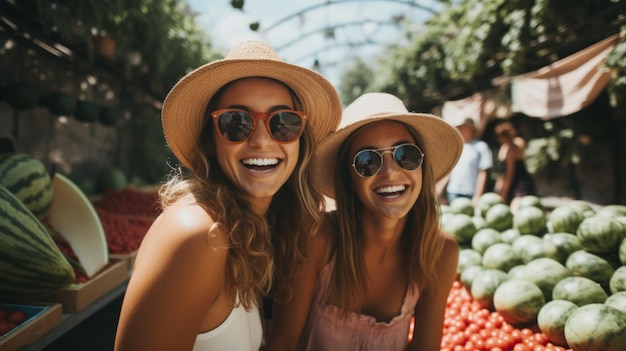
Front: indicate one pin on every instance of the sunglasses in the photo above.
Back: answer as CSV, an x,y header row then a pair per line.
x,y
236,126
368,162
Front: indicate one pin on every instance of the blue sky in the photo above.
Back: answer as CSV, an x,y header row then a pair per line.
x,y
295,28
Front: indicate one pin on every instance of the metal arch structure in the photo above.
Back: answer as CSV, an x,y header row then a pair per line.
x,y
333,27
325,27
411,3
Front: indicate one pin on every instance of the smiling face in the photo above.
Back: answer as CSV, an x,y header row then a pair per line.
x,y
259,166
393,191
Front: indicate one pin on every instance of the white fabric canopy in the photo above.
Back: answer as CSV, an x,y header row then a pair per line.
x,y
566,86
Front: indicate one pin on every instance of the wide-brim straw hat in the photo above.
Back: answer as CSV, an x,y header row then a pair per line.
x,y
183,113
440,141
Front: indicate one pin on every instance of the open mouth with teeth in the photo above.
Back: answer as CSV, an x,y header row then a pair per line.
x,y
391,191
261,164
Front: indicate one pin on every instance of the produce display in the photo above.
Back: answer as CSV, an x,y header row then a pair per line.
x,y
31,265
537,279
27,178
10,319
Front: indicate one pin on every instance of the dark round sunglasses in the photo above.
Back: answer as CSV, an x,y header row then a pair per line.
x,y
368,162
236,126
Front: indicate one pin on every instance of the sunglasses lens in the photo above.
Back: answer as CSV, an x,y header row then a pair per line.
x,y
367,162
235,126
285,126
408,156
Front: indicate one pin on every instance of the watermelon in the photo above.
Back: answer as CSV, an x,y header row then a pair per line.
x,y
27,178
479,222
600,234
468,257
551,320
499,217
485,285
462,205
545,273
31,265
486,201
583,207
565,219
484,238
586,264
530,220
500,256
529,201
461,227
508,236
611,211
564,244
617,300
529,247
517,272
469,274
579,290
622,251
518,301
618,280
596,327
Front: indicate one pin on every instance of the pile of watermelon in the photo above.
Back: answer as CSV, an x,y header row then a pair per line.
x,y
560,272
31,264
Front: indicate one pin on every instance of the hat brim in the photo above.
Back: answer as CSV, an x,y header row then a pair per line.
x,y
184,107
441,143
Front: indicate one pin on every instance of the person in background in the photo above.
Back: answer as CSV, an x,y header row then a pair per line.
x,y
245,127
380,259
470,175
515,181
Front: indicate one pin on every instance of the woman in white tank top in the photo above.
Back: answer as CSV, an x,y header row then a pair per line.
x,y
245,129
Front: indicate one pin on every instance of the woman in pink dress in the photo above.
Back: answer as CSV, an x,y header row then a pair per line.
x,y
381,258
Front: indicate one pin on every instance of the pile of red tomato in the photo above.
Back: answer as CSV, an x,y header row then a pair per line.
x,y
470,327
10,319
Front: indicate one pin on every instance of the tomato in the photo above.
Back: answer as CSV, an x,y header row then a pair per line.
x,y
17,317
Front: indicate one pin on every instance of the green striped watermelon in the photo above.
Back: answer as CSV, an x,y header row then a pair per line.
x,y
500,256
564,244
530,220
499,217
545,273
579,290
529,201
552,318
484,238
601,234
622,251
596,327
486,201
461,227
468,257
27,178
31,265
518,301
617,300
618,280
611,211
485,285
565,219
586,264
462,205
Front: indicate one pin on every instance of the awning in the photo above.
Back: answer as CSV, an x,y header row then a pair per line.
x,y
565,86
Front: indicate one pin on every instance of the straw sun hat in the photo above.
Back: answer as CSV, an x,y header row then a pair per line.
x,y
183,114
440,141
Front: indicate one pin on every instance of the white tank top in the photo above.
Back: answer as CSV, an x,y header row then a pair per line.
x,y
241,331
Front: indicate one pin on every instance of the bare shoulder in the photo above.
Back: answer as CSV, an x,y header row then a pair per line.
x,y
184,229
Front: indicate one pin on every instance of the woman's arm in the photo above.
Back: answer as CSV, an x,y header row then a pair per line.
x,y
509,171
431,306
293,302
178,274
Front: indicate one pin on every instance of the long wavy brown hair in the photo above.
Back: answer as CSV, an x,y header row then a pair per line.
x,y
262,248
421,242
